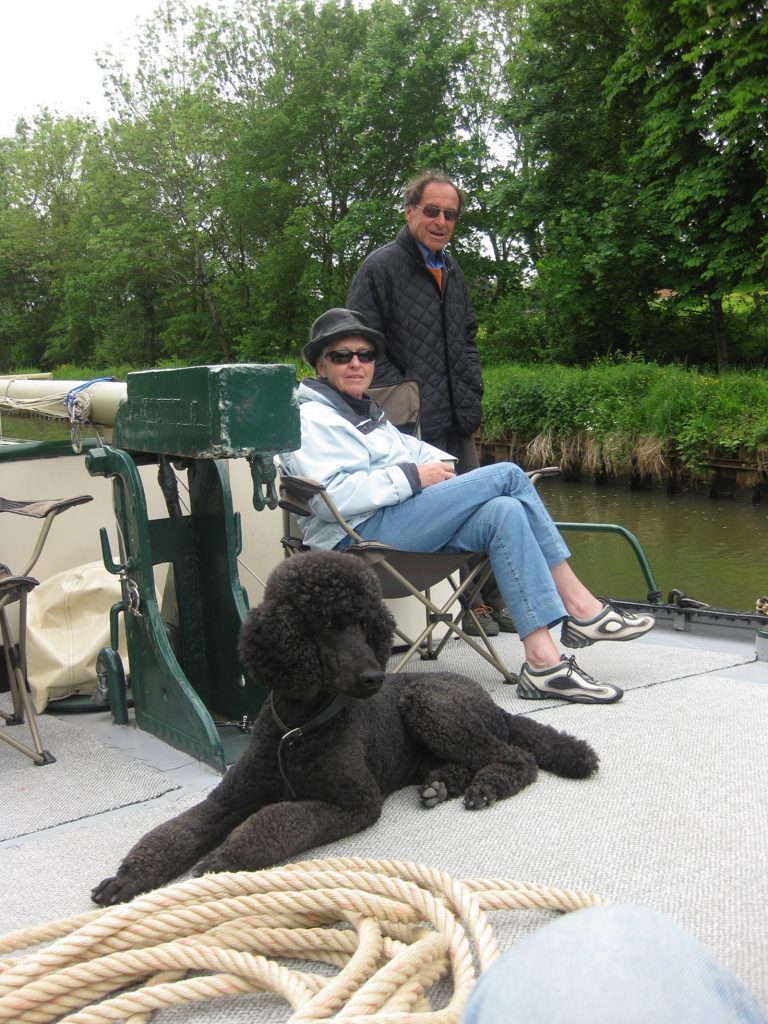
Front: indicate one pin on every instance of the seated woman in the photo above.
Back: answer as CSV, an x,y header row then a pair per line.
x,y
401,491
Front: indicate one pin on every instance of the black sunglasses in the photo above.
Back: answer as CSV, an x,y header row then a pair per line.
x,y
344,355
431,211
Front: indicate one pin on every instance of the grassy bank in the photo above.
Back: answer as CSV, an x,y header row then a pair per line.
x,y
631,416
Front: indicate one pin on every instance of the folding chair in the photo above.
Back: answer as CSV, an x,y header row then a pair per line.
x,y
402,574
407,573
16,588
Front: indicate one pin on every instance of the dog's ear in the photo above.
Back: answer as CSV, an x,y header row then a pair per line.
x,y
276,652
379,631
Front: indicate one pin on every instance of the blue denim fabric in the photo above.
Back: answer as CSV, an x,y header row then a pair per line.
x,y
619,964
494,509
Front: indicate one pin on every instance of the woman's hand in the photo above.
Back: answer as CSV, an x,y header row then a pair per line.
x,y
435,473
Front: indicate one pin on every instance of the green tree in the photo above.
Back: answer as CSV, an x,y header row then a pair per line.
x,y
169,143
699,70
253,159
41,169
594,244
342,105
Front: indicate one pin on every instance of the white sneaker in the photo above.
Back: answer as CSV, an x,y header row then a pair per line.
x,y
565,681
610,624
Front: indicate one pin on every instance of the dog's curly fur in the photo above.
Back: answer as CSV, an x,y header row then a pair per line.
x,y
322,631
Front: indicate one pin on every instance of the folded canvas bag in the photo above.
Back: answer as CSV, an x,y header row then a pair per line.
x,y
67,626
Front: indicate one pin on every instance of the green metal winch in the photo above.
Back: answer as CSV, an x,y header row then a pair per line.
x,y
186,681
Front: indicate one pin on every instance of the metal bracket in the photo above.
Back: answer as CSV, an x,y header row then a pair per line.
x,y
131,592
264,476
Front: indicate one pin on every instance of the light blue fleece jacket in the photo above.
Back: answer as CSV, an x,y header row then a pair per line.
x,y
364,462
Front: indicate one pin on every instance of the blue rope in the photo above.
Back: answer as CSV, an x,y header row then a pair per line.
x,y
70,399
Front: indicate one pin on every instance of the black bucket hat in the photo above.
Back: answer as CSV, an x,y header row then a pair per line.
x,y
339,323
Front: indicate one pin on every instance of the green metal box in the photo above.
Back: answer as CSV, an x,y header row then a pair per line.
x,y
210,412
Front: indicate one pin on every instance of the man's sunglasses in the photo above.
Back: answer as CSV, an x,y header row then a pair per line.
x,y
344,355
431,211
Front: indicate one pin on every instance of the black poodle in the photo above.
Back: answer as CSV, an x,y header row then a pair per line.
x,y
337,735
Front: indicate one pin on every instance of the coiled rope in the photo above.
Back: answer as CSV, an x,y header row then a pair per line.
x,y
391,928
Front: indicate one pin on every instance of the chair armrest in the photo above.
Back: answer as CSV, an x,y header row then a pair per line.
x,y
40,509
295,494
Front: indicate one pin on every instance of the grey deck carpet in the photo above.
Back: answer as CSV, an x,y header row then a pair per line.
x,y
675,819
86,779
610,663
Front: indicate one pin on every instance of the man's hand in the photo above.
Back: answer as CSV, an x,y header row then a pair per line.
x,y
435,473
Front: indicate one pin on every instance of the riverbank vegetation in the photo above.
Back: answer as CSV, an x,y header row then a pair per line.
x,y
628,418
613,153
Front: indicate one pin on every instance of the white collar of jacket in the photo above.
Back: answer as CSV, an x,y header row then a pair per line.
x,y
366,417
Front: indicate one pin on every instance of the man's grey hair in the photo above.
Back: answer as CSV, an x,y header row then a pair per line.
x,y
414,190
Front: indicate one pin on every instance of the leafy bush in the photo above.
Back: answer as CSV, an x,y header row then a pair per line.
x,y
602,416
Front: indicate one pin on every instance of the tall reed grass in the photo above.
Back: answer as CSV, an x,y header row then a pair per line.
x,y
629,416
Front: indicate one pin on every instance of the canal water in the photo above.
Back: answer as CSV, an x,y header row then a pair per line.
x,y
714,550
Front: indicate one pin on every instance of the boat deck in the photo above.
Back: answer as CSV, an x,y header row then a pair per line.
x,y
675,818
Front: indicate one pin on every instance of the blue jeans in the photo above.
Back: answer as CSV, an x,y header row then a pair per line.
x,y
606,965
494,509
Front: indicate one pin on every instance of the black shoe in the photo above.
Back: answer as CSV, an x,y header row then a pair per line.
x,y
484,614
504,620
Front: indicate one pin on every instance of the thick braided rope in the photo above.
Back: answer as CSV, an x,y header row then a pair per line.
x,y
390,928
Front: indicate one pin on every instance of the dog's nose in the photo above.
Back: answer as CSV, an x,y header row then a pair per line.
x,y
371,679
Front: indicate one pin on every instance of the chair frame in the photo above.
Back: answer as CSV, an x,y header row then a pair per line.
x,y
16,588
403,574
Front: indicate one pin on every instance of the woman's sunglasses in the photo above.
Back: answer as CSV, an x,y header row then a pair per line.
x,y
431,211
344,355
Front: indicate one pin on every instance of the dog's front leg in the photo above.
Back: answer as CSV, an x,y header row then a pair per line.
x,y
166,852
173,847
281,831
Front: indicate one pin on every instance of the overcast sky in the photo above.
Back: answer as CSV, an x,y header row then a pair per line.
x,y
47,53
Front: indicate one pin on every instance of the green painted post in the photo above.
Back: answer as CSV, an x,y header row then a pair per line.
x,y
654,594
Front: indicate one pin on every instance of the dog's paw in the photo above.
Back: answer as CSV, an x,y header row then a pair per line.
x,y
433,793
211,865
115,890
478,796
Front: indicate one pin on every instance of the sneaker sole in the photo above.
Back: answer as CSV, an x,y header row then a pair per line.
x,y
575,697
577,640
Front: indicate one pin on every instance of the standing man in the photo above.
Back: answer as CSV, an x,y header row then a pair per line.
x,y
413,292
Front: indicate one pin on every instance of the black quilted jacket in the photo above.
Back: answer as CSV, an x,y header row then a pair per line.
x,y
430,336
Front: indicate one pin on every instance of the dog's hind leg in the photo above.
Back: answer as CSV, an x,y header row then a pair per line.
x,y
443,783
466,736
481,788
500,779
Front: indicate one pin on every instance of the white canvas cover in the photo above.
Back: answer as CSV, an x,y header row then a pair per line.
x,y
67,625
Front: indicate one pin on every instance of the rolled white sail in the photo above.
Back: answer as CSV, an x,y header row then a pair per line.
x,y
72,400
